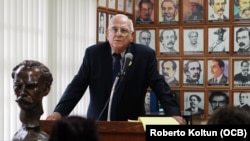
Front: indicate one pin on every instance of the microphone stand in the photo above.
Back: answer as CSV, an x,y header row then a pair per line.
x,y
111,96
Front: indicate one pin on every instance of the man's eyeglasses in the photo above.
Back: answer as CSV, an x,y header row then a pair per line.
x,y
123,31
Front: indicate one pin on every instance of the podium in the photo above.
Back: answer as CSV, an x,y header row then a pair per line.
x,y
111,130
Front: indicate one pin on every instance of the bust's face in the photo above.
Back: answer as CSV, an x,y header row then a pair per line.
x,y
28,87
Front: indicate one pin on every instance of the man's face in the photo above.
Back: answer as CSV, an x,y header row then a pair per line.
x,y
243,39
145,38
167,70
194,71
219,7
119,35
216,70
244,6
243,98
245,69
168,11
193,7
28,88
194,102
218,101
193,38
146,11
168,39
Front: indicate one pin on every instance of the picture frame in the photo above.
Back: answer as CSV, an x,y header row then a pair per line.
x,y
169,41
241,99
120,5
239,13
241,37
112,4
218,12
193,99
218,74
193,41
223,98
146,36
129,6
241,73
190,15
146,14
167,16
170,70
102,3
193,72
101,28
219,40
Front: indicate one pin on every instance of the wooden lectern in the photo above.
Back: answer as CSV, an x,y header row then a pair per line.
x,y
111,130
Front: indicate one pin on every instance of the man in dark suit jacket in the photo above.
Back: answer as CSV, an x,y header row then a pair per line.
x,y
129,93
217,69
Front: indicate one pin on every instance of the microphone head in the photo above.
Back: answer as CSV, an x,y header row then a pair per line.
x,y
129,56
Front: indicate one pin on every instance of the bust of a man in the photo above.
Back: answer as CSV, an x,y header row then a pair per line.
x,y
31,82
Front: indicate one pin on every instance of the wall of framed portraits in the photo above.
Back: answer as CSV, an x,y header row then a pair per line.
x,y
202,47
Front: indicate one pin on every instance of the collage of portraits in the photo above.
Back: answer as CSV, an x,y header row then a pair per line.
x,y
202,47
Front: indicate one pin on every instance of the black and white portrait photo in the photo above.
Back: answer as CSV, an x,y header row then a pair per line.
x,y
193,103
111,4
146,37
217,99
218,40
120,5
193,72
129,6
193,41
242,40
102,3
101,26
169,41
241,73
242,100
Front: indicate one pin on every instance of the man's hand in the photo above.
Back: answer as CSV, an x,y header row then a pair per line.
x,y
180,119
54,116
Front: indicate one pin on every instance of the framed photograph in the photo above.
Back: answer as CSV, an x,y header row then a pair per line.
x,y
111,4
129,6
102,3
120,5
193,11
241,73
144,12
168,11
218,72
242,99
217,99
101,28
241,40
241,11
218,40
193,39
170,70
169,41
193,72
110,15
151,103
146,37
194,102
218,10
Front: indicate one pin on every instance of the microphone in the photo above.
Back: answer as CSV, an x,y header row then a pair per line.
x,y
127,62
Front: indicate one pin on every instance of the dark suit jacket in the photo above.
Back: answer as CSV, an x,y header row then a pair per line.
x,y
96,72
